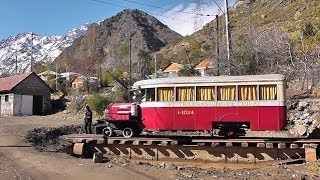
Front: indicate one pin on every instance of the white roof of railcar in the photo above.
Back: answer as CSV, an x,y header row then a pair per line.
x,y
212,79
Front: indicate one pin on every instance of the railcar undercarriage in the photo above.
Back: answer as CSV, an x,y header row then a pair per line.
x,y
126,129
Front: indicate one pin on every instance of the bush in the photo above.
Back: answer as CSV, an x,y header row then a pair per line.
x,y
308,30
296,37
98,103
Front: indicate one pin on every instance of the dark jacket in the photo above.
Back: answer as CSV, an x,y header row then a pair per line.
x,y
88,115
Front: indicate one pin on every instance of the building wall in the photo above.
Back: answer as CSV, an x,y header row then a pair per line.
x,y
6,104
78,85
33,85
22,105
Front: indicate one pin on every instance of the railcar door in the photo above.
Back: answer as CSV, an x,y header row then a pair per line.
x,y
185,114
269,111
164,109
226,107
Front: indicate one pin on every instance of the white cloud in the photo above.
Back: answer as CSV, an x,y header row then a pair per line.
x,y
183,22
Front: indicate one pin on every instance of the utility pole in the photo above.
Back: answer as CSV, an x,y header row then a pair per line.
x,y
31,63
100,76
67,74
130,38
217,45
56,77
228,36
155,65
16,68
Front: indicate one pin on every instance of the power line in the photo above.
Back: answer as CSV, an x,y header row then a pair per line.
x,y
103,2
107,3
158,7
218,6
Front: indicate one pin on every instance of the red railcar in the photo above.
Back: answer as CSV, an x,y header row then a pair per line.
x,y
221,104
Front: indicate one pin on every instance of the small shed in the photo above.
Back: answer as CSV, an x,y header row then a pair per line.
x,y
24,94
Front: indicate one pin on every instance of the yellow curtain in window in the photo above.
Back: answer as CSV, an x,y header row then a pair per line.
x,y
165,94
185,94
227,93
268,92
205,93
247,93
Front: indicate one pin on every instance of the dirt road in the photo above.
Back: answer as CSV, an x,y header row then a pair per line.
x,y
19,160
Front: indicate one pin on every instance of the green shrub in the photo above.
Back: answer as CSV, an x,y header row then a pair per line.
x,y
123,51
295,37
97,103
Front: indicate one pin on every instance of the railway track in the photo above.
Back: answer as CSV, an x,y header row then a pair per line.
x,y
196,148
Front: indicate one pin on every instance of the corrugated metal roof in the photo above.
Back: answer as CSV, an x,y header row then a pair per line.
x,y
8,83
212,79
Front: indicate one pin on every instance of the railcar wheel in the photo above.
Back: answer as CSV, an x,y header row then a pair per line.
x,y
127,132
107,131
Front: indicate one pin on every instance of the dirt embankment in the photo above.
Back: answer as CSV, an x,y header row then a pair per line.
x,y
48,138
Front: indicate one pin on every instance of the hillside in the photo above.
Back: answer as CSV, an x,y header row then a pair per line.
x,y
268,36
285,19
107,43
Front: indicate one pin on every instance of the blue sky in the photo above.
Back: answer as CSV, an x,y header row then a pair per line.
x,y
56,17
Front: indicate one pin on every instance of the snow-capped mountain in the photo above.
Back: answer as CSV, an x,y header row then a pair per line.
x,y
23,47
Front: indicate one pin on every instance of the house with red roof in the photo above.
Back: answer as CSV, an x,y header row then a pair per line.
x,y
204,67
24,94
85,83
172,69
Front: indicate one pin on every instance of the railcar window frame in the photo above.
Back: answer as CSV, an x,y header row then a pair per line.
x,y
276,91
173,95
248,85
235,92
177,98
146,97
207,86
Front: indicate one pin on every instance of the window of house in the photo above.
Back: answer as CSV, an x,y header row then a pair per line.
x,y
6,98
268,92
226,93
247,93
185,93
165,94
148,94
206,93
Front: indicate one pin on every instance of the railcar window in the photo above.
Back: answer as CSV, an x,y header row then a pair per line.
x,y
206,93
226,93
165,94
247,93
185,94
148,94
268,92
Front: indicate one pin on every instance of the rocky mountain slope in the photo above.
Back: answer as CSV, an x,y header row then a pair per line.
x,y
20,48
107,43
265,36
